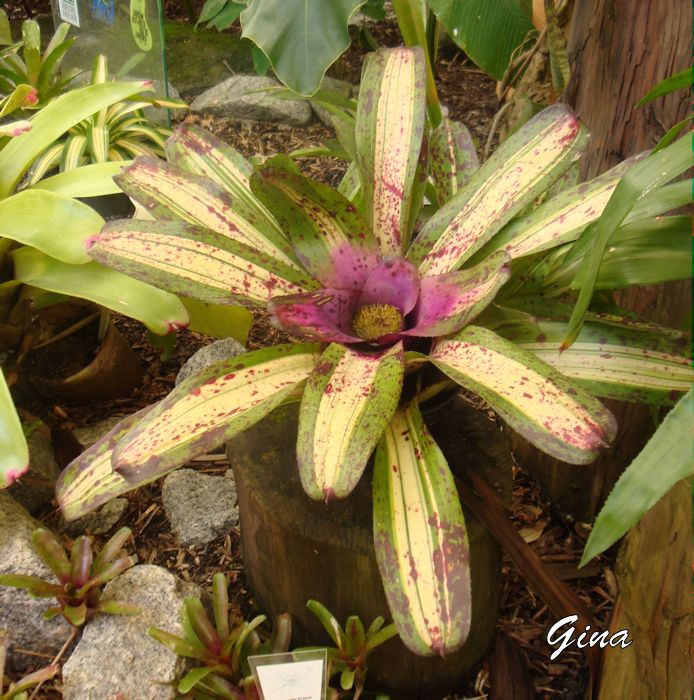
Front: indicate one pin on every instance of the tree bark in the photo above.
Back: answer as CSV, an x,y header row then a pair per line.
x,y
618,50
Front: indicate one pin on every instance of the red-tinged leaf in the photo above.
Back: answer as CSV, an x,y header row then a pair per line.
x,y
452,158
14,454
80,561
178,646
348,401
202,626
32,679
172,194
201,153
329,235
195,262
389,128
523,167
52,553
355,636
112,549
420,538
329,622
116,607
211,407
110,571
220,605
448,302
32,584
543,405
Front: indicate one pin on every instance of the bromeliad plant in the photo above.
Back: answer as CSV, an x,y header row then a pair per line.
x,y
81,576
390,318
222,647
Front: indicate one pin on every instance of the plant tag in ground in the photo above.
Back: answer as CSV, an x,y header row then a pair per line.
x,y
69,12
299,675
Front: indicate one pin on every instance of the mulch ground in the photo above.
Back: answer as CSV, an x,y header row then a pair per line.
x,y
523,617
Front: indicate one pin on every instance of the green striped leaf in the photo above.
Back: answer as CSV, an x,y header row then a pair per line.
x,y
14,454
559,220
98,143
160,311
88,181
74,150
54,120
211,407
201,153
328,234
668,454
610,361
452,158
391,114
195,262
348,401
34,217
545,407
89,480
523,167
420,538
44,163
172,194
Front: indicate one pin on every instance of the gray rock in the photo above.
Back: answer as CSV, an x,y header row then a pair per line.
x,y
220,350
200,507
342,87
37,487
99,522
237,99
115,654
19,612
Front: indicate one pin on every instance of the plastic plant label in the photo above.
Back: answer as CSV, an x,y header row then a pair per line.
x,y
69,12
298,675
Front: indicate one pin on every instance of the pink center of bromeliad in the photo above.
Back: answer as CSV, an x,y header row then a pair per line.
x,y
375,320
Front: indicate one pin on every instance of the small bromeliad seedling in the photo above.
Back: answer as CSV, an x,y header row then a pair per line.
x,y
352,645
18,690
81,576
221,647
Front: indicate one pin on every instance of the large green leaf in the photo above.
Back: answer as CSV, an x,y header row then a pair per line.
x,y
58,226
391,115
160,311
612,361
217,320
541,404
488,32
523,167
420,538
195,262
300,37
665,460
53,121
348,401
652,172
14,454
92,180
211,407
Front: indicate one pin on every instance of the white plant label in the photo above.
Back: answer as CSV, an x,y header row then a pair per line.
x,y
69,12
287,678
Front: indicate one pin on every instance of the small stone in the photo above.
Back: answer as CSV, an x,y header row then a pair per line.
x,y
238,98
116,655
37,487
215,352
200,507
99,522
21,614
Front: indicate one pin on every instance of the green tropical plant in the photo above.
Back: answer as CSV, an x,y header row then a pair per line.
x,y
40,70
18,690
352,645
81,576
222,648
117,132
393,309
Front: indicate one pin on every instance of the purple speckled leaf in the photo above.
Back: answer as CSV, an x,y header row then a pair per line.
x,y
448,302
325,315
452,158
420,538
395,281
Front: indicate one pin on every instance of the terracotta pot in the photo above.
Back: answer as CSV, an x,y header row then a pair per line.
x,y
295,549
112,374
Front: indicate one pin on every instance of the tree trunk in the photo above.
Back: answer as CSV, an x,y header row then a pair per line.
x,y
618,50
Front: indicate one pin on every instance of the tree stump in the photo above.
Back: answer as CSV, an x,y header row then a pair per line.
x,y
295,549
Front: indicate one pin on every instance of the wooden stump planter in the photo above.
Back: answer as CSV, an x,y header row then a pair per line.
x,y
295,549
